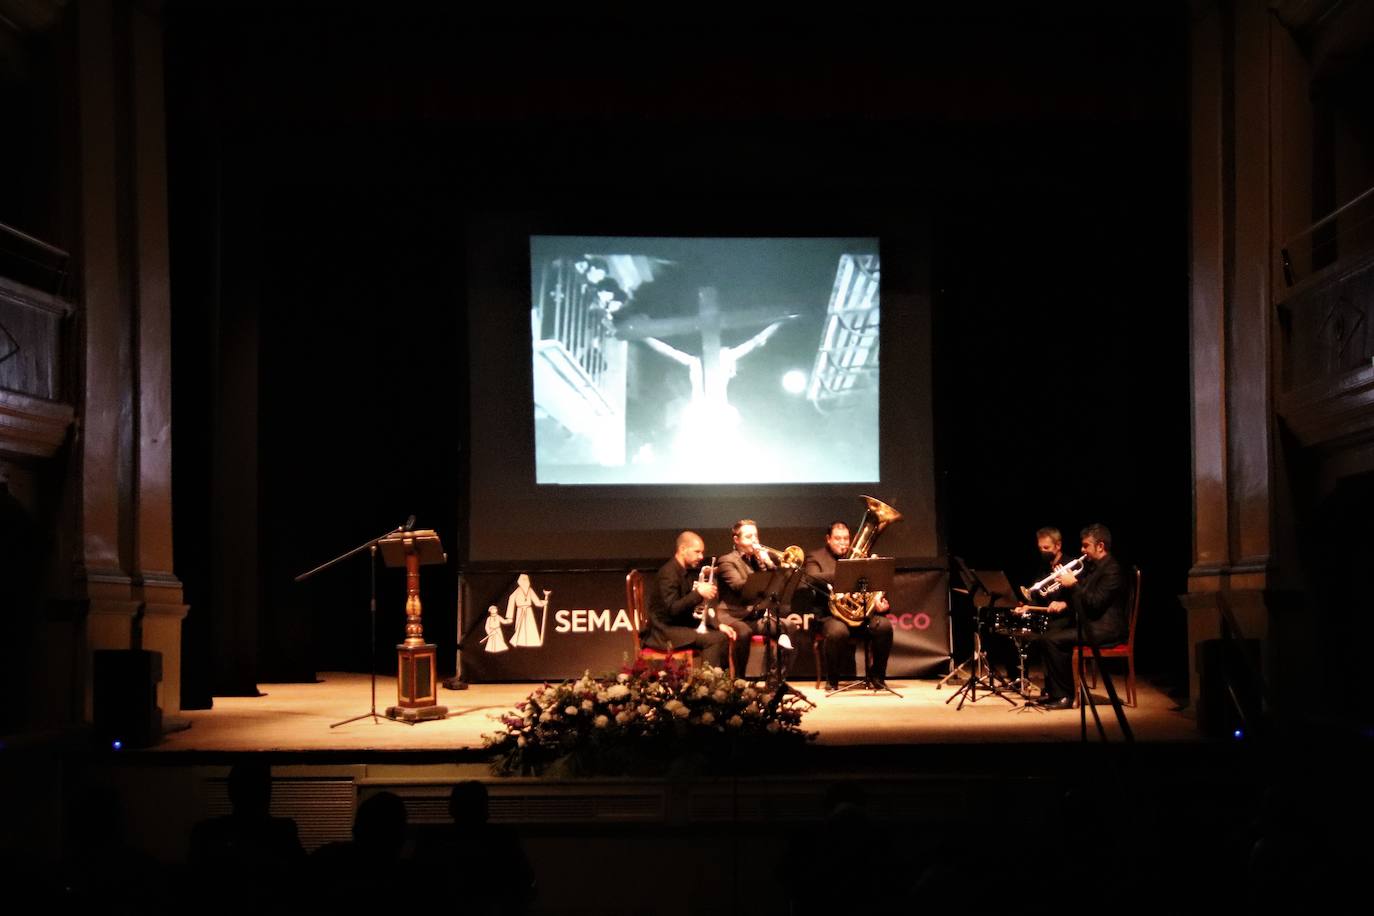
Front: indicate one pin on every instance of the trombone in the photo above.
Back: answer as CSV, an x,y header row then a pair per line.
x,y
787,559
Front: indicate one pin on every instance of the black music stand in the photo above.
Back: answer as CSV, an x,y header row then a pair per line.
x,y
863,576
370,546
1004,598
981,674
768,590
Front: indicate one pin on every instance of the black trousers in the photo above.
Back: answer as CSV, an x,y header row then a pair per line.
x,y
877,629
771,628
713,644
1055,647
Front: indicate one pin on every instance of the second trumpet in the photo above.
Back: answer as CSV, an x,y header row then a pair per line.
x,y
1050,584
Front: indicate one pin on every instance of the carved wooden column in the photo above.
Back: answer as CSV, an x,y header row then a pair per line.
x,y
156,584
123,585
1237,210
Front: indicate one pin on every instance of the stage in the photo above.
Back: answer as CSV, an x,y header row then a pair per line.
x,y
294,718
931,777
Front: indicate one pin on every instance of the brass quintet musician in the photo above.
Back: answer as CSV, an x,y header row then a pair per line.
x,y
1096,594
737,617
820,564
678,593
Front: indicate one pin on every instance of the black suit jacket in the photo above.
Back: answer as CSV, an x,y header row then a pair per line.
x,y
1101,598
732,571
672,600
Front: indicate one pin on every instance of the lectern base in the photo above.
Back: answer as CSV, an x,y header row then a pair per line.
x,y
417,714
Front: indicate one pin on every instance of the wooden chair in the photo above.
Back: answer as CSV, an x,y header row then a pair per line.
x,y
639,611
1124,650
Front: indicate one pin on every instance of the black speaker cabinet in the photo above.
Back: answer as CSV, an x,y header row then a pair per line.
x,y
125,696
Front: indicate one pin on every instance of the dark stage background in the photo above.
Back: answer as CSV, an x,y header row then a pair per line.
x,y
324,176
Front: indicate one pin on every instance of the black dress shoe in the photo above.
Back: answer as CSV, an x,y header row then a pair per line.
x,y
832,686
1056,702
877,683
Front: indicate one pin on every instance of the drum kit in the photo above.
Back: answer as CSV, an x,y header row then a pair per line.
x,y
999,612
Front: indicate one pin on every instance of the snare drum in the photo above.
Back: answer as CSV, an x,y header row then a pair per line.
x,y
1019,626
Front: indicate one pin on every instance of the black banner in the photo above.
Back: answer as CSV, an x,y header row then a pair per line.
x,y
555,624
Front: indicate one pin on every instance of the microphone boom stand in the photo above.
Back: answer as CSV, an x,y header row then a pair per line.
x,y
371,547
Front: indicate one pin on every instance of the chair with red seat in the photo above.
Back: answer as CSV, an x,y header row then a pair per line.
x,y
1124,650
639,612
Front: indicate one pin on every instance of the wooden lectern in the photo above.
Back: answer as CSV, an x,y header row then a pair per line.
x,y
416,682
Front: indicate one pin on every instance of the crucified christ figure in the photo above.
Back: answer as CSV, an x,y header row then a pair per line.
x,y
711,372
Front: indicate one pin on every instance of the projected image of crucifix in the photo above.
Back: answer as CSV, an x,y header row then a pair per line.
x,y
711,371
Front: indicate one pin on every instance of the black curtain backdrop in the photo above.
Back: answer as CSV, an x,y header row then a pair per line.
x,y
1057,205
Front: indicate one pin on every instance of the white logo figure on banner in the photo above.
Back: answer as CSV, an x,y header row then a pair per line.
x,y
495,639
520,606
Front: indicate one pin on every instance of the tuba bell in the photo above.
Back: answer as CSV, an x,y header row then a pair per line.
x,y
851,607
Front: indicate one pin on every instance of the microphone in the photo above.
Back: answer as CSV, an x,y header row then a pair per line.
x,y
410,523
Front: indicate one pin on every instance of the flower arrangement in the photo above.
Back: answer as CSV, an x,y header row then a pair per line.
x,y
643,719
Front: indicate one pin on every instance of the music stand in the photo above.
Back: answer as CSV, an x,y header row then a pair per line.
x,y
1004,597
863,576
981,674
767,590
371,547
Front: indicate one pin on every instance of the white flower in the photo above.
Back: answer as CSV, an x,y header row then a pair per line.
x,y
602,696
601,721
741,683
520,742
546,716
571,711
642,709
720,696
752,709
622,677
587,705
734,722
623,716
773,727
708,717
702,691
748,694
617,692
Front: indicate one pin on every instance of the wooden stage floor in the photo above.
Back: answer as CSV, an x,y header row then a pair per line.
x,y
297,718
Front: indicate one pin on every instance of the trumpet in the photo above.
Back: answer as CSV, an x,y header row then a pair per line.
x,y
1050,584
788,558
707,575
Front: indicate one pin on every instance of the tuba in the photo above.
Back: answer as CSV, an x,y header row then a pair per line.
x,y
851,607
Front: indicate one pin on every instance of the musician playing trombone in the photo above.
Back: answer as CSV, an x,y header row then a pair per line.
x,y
738,618
680,591
820,564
